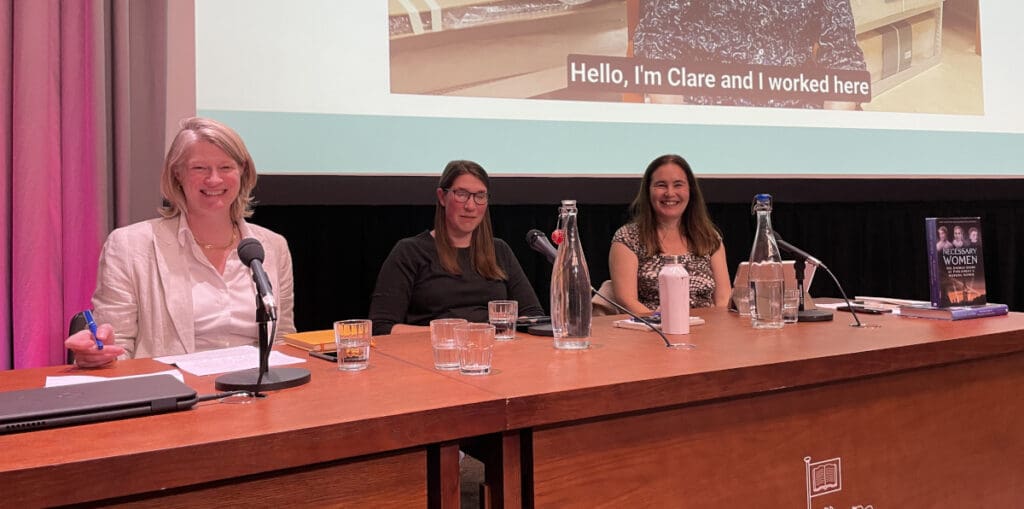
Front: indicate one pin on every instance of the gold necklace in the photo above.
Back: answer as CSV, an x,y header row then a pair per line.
x,y
234,237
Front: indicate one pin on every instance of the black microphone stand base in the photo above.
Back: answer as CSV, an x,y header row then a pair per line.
x,y
274,379
814,315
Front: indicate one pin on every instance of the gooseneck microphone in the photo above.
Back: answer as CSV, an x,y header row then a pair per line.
x,y
813,315
250,251
539,243
800,253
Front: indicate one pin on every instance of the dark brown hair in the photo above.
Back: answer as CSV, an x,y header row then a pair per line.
x,y
701,233
481,245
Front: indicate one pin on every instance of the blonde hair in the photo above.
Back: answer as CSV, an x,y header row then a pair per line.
x,y
195,130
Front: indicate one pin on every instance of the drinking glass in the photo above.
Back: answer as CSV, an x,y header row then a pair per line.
x,y
476,346
502,314
442,339
790,306
352,338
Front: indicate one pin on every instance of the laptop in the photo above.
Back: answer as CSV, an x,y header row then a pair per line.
x,y
742,282
49,407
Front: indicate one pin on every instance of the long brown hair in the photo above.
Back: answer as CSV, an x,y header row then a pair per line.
x,y
194,130
701,233
481,245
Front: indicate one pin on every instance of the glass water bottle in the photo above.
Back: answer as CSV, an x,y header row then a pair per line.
x,y
570,286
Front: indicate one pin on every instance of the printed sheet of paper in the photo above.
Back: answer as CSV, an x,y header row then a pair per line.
x,y
226,360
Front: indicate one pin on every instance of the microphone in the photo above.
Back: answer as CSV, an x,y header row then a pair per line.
x,y
262,378
539,243
250,251
817,315
800,253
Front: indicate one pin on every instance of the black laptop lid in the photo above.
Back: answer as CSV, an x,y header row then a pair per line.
x,y
90,402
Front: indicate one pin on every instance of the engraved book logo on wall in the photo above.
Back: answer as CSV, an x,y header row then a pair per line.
x,y
823,477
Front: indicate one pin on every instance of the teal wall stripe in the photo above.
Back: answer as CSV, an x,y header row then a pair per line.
x,y
371,144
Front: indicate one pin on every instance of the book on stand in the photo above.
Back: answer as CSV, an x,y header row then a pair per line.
x,y
953,312
956,271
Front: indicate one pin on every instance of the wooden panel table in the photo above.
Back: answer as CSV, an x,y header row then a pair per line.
x,y
383,437
914,413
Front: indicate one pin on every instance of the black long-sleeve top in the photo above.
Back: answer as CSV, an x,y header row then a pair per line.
x,y
413,288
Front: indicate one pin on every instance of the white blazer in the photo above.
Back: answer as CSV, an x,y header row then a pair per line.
x,y
144,290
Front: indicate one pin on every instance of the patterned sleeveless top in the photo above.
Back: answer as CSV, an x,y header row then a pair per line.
x,y
702,281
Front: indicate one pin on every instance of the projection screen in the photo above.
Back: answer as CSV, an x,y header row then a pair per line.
x,y
785,88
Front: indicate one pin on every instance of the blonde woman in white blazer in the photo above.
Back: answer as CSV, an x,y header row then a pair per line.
x,y
175,284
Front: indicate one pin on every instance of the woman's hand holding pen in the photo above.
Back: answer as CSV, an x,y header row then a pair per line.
x,y
87,354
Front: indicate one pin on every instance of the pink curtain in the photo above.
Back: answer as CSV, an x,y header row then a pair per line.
x,y
6,84
83,116
54,168
85,169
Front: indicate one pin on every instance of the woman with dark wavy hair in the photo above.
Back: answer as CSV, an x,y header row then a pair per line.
x,y
454,270
669,217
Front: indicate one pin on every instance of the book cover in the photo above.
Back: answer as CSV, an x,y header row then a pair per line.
x,y
953,312
316,341
956,271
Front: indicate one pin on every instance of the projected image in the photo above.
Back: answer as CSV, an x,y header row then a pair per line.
x,y
911,56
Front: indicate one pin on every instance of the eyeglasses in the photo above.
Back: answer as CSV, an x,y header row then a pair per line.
x,y
462,196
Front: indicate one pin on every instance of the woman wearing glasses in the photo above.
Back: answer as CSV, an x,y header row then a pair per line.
x,y
453,270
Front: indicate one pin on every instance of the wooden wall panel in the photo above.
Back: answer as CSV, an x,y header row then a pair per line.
x,y
938,437
389,481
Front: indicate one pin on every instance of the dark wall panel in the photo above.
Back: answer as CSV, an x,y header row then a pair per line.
x,y
874,247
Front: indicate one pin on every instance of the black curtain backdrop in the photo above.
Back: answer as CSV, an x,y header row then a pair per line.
x,y
875,248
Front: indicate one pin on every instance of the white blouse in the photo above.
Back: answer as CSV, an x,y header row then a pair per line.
x,y
224,304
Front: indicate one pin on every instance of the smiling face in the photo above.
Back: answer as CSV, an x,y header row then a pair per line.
x,y
670,192
462,219
210,179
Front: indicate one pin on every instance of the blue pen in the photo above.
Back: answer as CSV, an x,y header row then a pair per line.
x,y
92,328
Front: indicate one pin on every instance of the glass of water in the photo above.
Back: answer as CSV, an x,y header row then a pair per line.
x,y
352,338
442,339
741,299
476,345
502,314
790,306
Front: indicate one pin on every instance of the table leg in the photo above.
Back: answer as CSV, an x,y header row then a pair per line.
x,y
443,476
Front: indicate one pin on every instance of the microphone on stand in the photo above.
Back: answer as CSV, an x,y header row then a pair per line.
x,y
814,315
799,253
250,251
539,243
